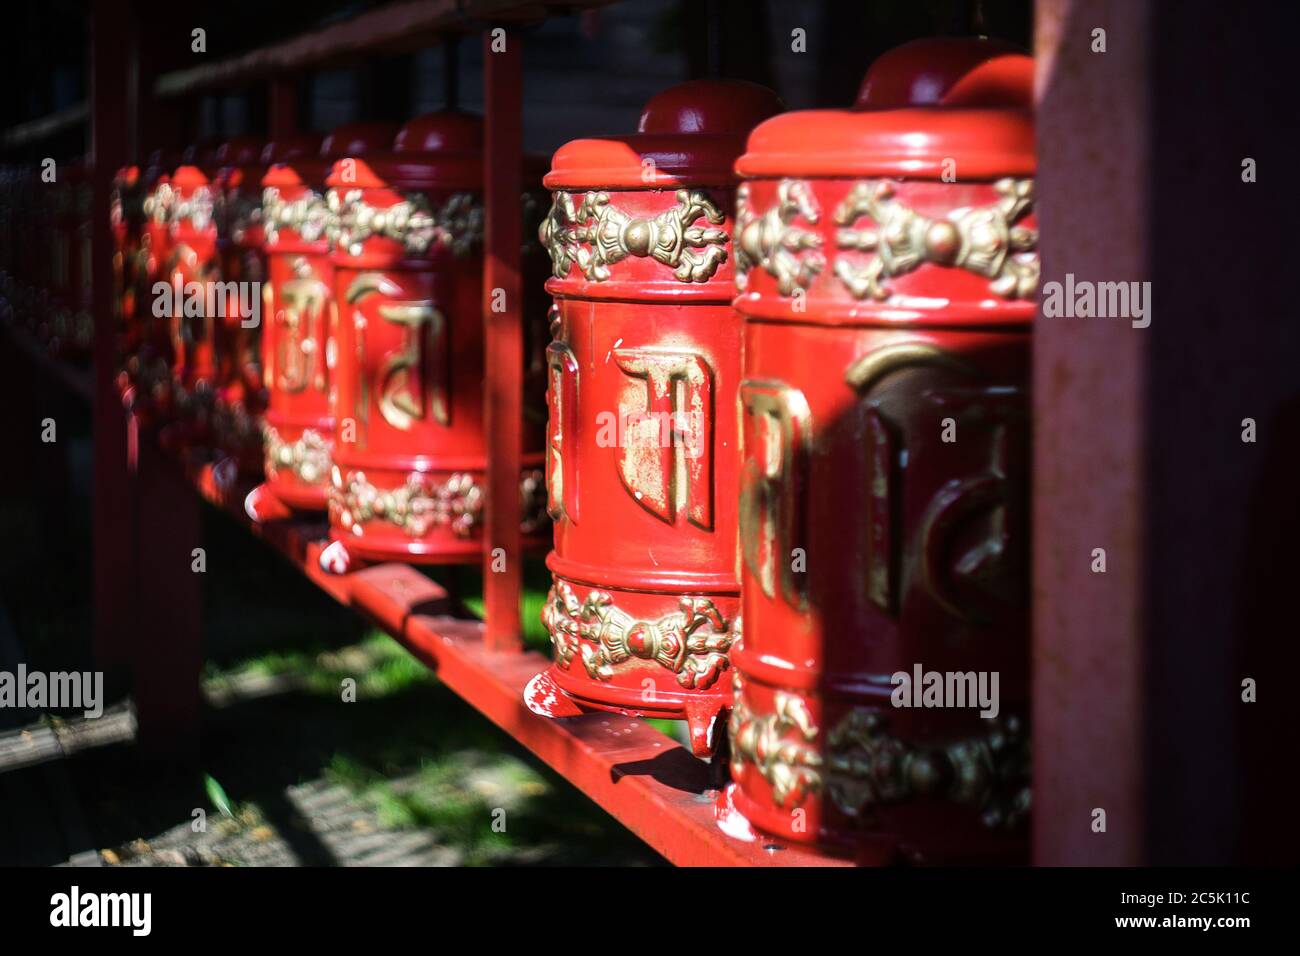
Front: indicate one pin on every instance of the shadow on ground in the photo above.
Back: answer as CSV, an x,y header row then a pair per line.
x,y
298,766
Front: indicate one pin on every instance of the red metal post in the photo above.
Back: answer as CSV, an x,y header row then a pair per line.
x,y
283,118
114,569
503,334
1088,473
168,648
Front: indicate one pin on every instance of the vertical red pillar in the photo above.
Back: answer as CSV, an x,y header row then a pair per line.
x,y
1088,473
283,110
503,333
114,571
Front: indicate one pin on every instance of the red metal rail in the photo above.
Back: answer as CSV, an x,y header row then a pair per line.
x,y
644,779
391,28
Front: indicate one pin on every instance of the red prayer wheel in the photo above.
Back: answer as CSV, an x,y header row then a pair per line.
x,y
237,318
642,449
190,271
150,367
298,334
126,220
887,273
410,454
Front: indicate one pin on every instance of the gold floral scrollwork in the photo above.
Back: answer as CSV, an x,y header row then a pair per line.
x,y
416,507
861,766
308,215
612,235
778,744
985,240
157,205
457,225
867,766
692,642
789,253
198,208
423,503
308,457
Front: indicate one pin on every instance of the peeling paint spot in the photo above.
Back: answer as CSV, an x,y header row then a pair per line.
x,y
730,820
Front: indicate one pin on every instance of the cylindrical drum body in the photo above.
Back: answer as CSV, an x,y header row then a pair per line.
x,y
887,274
238,189
299,318
150,367
642,448
190,269
126,216
410,454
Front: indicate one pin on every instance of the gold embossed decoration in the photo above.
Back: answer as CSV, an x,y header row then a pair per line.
x,y
456,225
868,766
424,503
308,215
985,240
594,234
779,745
691,642
862,766
198,208
416,507
308,457
788,252
157,205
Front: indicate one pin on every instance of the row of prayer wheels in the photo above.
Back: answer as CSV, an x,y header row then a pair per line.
x,y
314,309
812,330
786,383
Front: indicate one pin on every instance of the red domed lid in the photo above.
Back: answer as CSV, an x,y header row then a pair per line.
x,y
353,139
189,177
201,154
964,100
445,131
241,151
290,148
437,150
689,134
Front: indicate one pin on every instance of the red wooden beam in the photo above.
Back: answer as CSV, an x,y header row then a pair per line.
x,y
503,334
394,26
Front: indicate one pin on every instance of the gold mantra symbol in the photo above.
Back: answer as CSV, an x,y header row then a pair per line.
x,y
776,432
562,407
403,399
673,476
989,566
300,344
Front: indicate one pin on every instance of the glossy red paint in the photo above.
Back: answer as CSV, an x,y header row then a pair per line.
x,y
299,315
126,220
190,270
149,367
410,452
242,262
887,280
642,449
